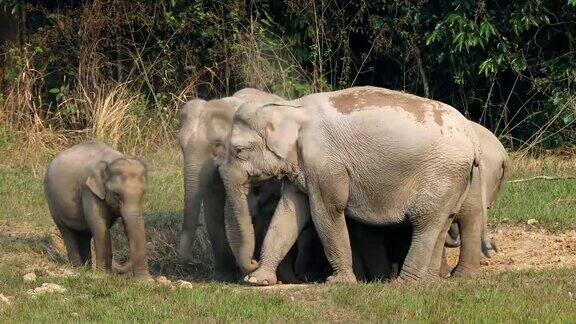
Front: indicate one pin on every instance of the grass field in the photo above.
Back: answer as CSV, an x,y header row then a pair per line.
x,y
28,243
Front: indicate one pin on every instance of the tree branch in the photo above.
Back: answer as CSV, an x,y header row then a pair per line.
x,y
416,53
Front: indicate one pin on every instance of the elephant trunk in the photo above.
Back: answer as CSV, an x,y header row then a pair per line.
x,y
238,222
136,233
192,205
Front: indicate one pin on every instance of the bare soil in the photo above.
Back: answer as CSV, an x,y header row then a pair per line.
x,y
521,248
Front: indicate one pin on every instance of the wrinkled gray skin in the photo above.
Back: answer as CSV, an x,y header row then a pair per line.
x,y
495,163
88,187
204,128
377,156
373,242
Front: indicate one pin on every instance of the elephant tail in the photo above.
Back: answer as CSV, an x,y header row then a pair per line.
x,y
503,176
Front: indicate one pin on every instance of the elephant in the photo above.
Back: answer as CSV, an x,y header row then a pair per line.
x,y
204,127
373,242
374,155
88,187
496,164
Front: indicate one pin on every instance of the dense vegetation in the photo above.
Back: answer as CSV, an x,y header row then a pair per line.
x,y
119,70
114,69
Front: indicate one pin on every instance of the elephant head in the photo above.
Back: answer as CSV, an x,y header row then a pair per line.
x,y
121,185
205,125
204,128
262,144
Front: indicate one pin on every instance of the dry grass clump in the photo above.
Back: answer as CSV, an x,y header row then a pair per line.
x,y
546,164
32,129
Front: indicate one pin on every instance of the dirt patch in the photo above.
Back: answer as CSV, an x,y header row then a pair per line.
x,y
520,249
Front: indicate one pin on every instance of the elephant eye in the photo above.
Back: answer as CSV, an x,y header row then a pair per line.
x,y
242,152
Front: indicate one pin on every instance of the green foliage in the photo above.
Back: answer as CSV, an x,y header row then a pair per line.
x,y
510,65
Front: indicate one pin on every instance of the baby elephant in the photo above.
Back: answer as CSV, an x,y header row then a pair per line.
x,y
87,188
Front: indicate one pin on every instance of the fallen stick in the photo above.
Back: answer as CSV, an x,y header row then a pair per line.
x,y
541,178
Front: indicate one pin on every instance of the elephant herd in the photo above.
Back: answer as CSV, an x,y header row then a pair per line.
x,y
363,184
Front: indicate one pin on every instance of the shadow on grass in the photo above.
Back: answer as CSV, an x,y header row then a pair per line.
x,y
163,236
37,243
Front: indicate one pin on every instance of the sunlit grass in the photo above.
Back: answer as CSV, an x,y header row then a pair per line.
x,y
26,239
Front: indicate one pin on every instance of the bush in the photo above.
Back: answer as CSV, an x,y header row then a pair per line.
x,y
510,66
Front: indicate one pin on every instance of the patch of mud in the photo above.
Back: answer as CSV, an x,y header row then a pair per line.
x,y
522,249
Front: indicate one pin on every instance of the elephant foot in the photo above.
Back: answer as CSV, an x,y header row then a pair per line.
x,y
445,271
408,277
459,272
261,277
342,278
432,277
489,248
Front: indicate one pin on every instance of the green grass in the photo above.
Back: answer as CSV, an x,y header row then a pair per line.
x,y
551,203
106,298
27,243
521,296
525,296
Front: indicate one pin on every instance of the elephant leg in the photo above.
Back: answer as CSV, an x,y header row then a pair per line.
x,y
424,239
84,248
333,233
438,253
225,268
70,238
327,202
103,249
470,248
470,221
290,216
94,213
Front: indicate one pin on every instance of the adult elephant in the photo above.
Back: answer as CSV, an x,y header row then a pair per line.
x,y
204,127
379,156
495,163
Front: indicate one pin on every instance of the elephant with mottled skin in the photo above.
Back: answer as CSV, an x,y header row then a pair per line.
x,y
495,162
375,155
204,127
375,241
88,187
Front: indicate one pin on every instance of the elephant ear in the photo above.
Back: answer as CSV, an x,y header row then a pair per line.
x,y
281,136
218,132
97,179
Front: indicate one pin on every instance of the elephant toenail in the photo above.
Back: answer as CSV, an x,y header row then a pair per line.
x,y
265,282
252,280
